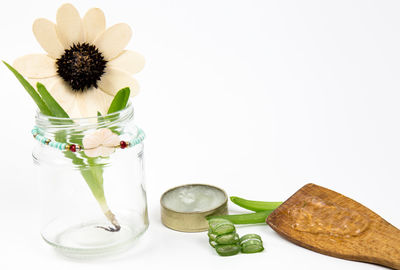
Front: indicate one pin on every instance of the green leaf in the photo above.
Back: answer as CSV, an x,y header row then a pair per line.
x,y
51,103
98,113
258,217
120,100
255,206
31,91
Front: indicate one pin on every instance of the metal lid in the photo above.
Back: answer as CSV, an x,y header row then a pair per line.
x,y
190,221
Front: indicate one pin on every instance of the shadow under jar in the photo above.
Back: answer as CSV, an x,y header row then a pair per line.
x,y
91,206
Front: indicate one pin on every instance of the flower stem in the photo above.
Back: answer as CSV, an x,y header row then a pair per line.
x,y
92,172
114,222
93,176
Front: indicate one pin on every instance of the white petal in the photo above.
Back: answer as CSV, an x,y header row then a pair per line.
x,y
36,66
46,34
114,80
102,142
47,82
92,101
107,99
112,140
65,96
113,40
91,141
94,24
69,26
95,152
104,101
105,151
129,61
104,133
88,103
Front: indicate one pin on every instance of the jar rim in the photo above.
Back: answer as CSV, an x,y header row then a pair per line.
x,y
46,121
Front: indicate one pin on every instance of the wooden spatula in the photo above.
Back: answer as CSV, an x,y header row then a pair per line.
x,y
329,223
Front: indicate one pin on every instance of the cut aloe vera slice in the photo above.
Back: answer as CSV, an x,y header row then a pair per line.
x,y
220,226
227,239
227,250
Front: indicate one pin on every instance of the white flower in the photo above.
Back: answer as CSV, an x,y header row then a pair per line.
x,y
102,142
86,64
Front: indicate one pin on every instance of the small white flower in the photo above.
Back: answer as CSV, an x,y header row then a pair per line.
x,y
102,142
86,64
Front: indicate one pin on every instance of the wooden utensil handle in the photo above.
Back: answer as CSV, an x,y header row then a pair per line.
x,y
388,247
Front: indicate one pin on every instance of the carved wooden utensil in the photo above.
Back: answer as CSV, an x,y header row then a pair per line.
x,y
329,223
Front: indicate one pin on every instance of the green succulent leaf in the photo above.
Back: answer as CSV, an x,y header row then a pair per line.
x,y
31,91
120,100
51,103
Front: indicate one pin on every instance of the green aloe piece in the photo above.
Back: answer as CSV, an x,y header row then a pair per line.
x,y
252,218
251,236
50,102
212,235
227,250
120,100
31,91
226,239
212,243
220,226
256,206
252,246
218,220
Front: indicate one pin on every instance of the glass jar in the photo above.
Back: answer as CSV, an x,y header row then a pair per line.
x,y
90,205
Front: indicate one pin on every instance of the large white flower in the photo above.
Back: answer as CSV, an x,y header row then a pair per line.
x,y
86,64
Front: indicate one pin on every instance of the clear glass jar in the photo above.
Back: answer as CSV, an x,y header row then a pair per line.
x,y
91,206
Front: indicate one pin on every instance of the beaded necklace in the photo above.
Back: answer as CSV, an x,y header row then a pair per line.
x,y
76,147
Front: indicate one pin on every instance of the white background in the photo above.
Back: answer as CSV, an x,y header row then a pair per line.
x,y
256,97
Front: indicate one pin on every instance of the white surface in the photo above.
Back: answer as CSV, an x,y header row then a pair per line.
x,y
256,97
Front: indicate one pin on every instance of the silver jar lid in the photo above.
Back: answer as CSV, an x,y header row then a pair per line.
x,y
185,208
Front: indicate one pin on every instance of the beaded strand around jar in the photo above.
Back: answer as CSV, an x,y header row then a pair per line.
x,y
76,147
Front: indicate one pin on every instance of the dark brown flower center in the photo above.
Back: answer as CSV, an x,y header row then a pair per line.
x,y
81,66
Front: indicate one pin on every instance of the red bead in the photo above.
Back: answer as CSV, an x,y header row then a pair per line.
x,y
72,148
123,144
